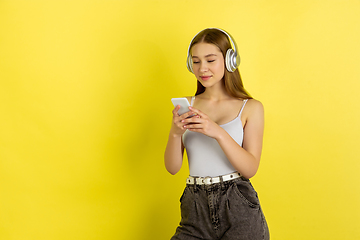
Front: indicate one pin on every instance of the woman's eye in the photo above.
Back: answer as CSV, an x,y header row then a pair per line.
x,y
211,61
196,62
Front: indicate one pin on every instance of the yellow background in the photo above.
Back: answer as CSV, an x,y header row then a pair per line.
x,y
85,89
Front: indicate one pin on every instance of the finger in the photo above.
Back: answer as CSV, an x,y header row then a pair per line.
x,y
186,115
176,109
193,126
197,111
194,119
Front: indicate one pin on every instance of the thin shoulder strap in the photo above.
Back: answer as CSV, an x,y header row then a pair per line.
x,y
192,100
243,106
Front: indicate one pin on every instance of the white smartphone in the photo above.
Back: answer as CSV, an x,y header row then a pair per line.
x,y
184,104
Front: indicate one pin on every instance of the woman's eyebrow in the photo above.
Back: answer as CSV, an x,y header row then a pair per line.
x,y
209,55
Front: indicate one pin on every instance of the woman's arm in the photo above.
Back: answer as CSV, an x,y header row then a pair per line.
x,y
174,151
244,159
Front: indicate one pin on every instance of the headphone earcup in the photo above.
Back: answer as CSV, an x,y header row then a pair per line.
x,y
189,64
231,60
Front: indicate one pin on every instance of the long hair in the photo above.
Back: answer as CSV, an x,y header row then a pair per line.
x,y
232,80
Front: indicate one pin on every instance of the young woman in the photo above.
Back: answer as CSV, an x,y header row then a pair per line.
x,y
222,134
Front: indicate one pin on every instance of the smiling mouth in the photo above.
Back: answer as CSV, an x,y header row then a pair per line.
x,y
205,77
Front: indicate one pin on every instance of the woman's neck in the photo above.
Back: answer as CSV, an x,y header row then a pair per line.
x,y
216,93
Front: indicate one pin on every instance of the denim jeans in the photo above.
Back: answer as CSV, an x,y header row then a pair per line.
x,y
226,210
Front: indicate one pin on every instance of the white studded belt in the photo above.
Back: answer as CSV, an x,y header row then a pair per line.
x,y
212,180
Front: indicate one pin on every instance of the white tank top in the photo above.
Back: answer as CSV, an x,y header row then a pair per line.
x,y
206,158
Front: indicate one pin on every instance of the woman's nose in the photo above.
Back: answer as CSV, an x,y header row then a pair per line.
x,y
203,67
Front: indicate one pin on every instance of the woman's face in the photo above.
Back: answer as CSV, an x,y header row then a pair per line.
x,y
208,63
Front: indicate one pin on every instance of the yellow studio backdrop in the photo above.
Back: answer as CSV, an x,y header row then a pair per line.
x,y
85,89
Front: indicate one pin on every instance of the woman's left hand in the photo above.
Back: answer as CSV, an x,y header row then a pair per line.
x,y
203,124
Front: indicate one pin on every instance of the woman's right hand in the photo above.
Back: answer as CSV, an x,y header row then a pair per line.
x,y
177,127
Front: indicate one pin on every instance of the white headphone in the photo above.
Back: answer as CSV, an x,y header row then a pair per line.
x,y
232,58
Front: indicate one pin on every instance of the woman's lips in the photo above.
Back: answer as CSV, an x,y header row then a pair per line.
x,y
205,77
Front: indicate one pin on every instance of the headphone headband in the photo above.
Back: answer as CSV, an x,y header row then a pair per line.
x,y
232,58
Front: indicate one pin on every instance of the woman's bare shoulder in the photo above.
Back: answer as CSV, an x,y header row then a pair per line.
x,y
254,103
253,106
